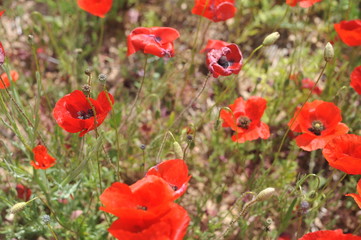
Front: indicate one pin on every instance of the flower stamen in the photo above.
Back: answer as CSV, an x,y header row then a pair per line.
x,y
317,127
243,122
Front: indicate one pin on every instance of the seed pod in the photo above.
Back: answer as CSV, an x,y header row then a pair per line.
x,y
265,194
177,150
271,39
86,89
18,207
329,52
102,78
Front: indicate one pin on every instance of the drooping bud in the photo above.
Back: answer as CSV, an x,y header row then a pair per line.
x,y
271,39
328,53
88,71
177,150
265,194
18,207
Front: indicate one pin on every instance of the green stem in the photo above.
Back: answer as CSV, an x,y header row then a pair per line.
x,y
298,112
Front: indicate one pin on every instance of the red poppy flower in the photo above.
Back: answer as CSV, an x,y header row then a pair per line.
x,y
329,235
344,153
170,226
356,197
302,3
155,40
225,61
96,7
2,12
42,159
356,79
318,122
214,44
175,173
146,199
215,10
245,119
23,192
2,54
349,32
14,76
308,84
74,113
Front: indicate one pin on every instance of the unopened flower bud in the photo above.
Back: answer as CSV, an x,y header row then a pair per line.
x,y
86,89
45,219
177,150
102,77
142,146
265,194
271,39
88,71
329,52
18,207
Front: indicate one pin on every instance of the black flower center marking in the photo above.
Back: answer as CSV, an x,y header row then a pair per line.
x,y
243,122
223,62
174,187
317,127
144,208
85,115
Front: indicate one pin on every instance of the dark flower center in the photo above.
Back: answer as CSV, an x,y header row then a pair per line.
x,y
223,62
243,122
317,127
174,187
144,208
85,115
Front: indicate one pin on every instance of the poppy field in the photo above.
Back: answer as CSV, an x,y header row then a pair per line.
x,y
188,119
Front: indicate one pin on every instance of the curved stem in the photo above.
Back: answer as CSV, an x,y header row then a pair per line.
x,y
298,112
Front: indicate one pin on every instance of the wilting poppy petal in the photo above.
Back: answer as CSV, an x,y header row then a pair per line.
x,y
23,192
14,76
175,173
319,122
148,198
96,7
356,79
329,235
344,153
349,32
42,159
225,61
215,10
74,114
170,226
157,41
356,197
245,119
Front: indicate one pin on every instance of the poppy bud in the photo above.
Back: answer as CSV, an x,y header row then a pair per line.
x,y
329,52
102,77
265,194
177,150
86,89
271,39
18,207
87,71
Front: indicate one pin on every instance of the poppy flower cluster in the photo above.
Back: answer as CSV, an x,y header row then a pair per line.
x,y
146,209
157,41
225,60
42,160
302,3
349,32
329,235
96,7
245,119
318,122
356,79
76,112
5,80
215,10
